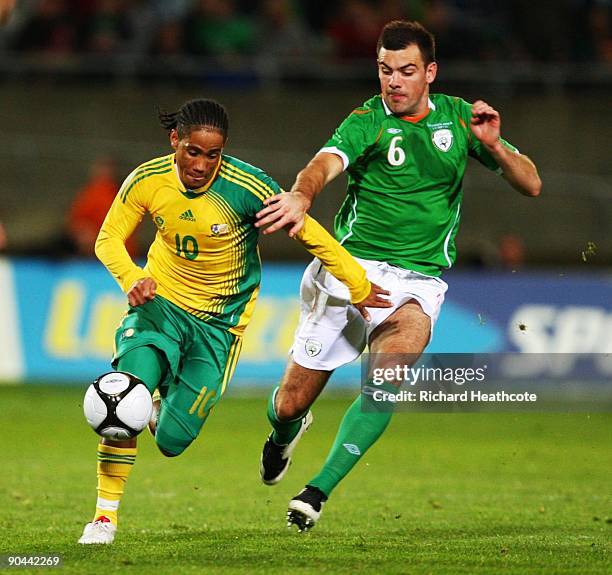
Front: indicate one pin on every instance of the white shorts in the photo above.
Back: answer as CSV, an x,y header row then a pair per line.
x,y
332,332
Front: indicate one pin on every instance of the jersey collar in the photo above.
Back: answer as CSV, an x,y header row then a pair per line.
x,y
198,192
411,119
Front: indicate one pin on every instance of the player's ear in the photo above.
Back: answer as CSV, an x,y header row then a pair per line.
x,y
431,71
174,138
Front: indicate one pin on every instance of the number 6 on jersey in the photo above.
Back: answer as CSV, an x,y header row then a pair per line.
x,y
396,155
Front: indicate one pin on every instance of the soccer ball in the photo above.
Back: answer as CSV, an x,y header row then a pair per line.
x,y
117,405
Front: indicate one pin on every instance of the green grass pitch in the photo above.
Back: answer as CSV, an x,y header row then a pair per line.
x,y
440,493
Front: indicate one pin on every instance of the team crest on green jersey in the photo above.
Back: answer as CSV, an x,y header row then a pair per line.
x,y
443,139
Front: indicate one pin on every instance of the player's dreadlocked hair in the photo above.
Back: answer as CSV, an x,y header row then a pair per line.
x,y
194,114
398,34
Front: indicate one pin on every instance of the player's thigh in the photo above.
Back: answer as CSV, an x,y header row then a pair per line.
x,y
145,331
401,338
298,390
330,332
202,379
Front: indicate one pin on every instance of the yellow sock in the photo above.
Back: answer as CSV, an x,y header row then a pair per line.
x,y
114,466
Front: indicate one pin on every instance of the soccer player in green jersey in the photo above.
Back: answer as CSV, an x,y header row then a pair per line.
x,y
190,304
405,152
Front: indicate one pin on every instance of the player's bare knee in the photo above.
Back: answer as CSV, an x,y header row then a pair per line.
x,y
288,409
299,389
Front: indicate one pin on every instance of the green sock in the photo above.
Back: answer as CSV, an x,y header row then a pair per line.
x,y
146,363
284,431
362,424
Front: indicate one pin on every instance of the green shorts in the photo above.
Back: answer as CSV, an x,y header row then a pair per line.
x,y
201,360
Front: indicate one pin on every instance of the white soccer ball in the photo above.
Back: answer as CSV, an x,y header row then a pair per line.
x,y
117,405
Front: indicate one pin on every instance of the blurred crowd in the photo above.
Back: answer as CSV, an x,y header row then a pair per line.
x,y
566,30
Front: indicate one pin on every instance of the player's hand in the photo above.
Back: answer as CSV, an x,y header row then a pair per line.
x,y
373,300
485,123
142,291
282,210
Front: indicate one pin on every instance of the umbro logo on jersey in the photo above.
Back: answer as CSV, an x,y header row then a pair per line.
x,y
394,131
352,448
188,215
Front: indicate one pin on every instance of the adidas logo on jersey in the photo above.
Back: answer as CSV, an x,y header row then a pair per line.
x,y
188,215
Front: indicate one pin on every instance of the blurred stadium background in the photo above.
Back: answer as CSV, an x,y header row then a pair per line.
x,y
81,80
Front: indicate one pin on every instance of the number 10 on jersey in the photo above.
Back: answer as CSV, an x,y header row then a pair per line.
x,y
187,247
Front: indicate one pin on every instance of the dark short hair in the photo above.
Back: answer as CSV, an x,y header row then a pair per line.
x,y
199,113
398,34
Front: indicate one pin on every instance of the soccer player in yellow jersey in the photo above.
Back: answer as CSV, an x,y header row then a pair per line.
x,y
190,304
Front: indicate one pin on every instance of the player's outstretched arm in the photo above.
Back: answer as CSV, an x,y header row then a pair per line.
x,y
341,264
288,209
520,172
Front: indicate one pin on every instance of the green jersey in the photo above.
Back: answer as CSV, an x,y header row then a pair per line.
x,y
403,202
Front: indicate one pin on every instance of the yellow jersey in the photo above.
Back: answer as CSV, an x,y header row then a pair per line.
x,y
205,257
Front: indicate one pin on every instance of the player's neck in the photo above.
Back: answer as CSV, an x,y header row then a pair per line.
x,y
417,117
415,114
419,113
